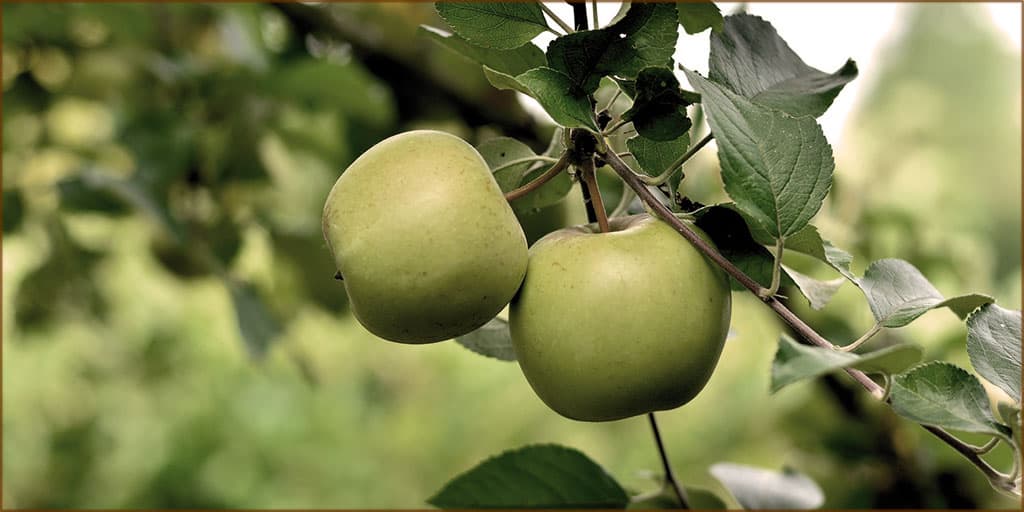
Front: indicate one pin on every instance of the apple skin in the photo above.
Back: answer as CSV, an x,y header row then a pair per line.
x,y
424,240
612,325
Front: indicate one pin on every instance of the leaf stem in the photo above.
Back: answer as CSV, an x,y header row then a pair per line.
x,y
513,163
987,447
611,129
611,102
998,479
780,245
678,164
554,17
593,13
558,167
862,340
670,477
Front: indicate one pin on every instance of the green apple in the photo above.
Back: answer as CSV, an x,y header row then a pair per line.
x,y
423,238
612,325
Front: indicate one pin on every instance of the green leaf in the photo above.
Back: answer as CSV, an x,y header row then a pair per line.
x,y
817,292
993,344
539,476
503,25
1010,414
501,150
644,37
897,294
117,191
347,88
491,340
505,81
808,241
889,360
13,210
64,282
696,17
659,107
653,157
795,362
510,62
777,168
255,322
550,88
756,488
943,395
731,236
750,58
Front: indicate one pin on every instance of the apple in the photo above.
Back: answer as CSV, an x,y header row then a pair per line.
x,y
424,241
612,325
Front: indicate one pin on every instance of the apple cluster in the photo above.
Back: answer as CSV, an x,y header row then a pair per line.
x,y
604,325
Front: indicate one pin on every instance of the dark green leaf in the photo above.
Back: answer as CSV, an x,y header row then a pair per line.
x,y
777,168
943,395
510,62
501,150
653,156
756,488
503,25
64,282
550,88
730,234
659,107
644,37
696,17
255,322
817,292
491,340
993,344
540,476
750,58
897,294
795,362
13,210
347,88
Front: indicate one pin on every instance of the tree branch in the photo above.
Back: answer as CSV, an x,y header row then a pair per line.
x,y
999,480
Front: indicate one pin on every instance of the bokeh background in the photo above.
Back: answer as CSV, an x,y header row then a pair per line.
x,y
173,337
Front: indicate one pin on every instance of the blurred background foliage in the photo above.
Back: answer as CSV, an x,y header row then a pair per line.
x,y
173,337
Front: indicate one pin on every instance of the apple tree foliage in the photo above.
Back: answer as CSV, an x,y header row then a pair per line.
x,y
208,128
761,101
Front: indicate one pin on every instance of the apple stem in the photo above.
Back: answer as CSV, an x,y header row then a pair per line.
x,y
670,477
596,204
799,326
553,171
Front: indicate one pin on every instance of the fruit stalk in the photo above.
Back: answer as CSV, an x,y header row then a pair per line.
x,y
670,477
